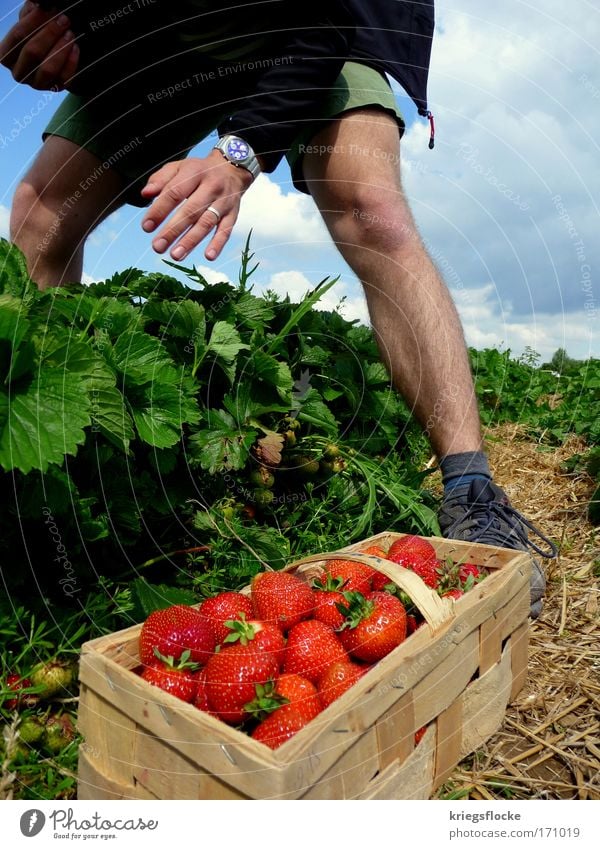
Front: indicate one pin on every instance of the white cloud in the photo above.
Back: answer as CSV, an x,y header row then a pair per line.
x,y
296,285
4,221
509,196
278,216
489,324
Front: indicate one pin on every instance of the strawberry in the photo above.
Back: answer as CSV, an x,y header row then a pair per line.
x,y
411,624
378,580
312,647
231,678
375,625
453,593
262,635
17,684
466,569
222,608
201,698
420,734
417,554
58,733
54,677
174,630
338,678
281,598
299,692
173,676
327,597
279,726
356,577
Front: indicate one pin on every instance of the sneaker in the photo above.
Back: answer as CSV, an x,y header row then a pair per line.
x,y
481,512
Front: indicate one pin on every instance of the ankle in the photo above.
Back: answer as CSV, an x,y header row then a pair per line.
x,y
461,469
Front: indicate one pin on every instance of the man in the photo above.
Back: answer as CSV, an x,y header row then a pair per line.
x,y
148,82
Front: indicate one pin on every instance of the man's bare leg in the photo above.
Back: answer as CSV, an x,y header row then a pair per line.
x,y
52,214
416,324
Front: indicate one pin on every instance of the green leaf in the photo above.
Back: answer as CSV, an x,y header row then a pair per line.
x,y
109,412
221,446
270,545
140,358
301,310
252,311
44,422
14,277
225,342
13,320
375,373
275,372
184,319
159,412
313,410
150,597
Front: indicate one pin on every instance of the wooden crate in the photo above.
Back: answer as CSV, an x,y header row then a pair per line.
x,y
454,675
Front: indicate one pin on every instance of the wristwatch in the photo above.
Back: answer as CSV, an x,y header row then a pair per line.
x,y
238,152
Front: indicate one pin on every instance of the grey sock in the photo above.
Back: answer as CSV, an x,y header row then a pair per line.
x,y
467,463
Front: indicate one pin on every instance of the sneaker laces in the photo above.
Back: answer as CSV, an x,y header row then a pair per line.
x,y
490,517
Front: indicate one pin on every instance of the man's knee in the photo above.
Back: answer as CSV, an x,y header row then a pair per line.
x,y
372,216
36,221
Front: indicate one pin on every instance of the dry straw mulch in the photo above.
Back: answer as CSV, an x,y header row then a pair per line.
x,y
549,744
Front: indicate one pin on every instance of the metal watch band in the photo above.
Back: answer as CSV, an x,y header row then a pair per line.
x,y
250,162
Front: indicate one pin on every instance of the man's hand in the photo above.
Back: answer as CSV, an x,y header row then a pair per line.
x,y
40,49
191,186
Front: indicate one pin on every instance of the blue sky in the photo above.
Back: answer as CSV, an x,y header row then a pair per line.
x,y
507,202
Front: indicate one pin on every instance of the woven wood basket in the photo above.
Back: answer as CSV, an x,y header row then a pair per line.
x,y
455,675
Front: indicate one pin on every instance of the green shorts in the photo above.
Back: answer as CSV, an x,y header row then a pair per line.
x,y
138,139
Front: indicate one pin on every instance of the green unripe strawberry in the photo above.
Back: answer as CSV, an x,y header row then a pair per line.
x,y
31,730
262,478
53,676
331,452
59,732
262,497
306,466
290,438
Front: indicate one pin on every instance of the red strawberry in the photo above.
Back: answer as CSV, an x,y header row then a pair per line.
x,y
312,647
338,678
262,635
453,593
174,630
224,607
356,577
411,624
279,726
420,734
380,581
231,678
287,690
201,697
418,555
376,624
327,596
299,692
281,598
17,684
470,570
175,677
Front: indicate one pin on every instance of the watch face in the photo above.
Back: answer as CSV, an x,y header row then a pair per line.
x,y
237,149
